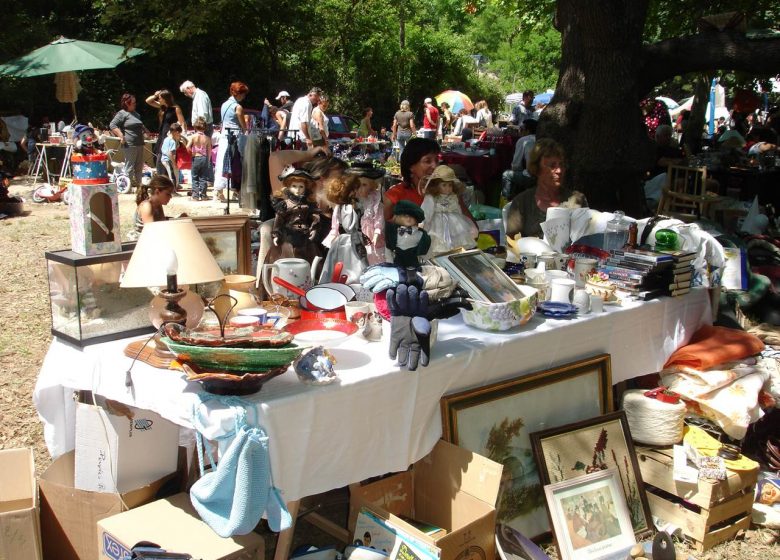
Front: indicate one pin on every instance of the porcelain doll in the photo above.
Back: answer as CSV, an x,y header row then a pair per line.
x,y
445,222
372,222
405,240
345,241
297,219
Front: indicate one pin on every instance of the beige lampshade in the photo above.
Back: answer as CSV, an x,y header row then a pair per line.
x,y
151,258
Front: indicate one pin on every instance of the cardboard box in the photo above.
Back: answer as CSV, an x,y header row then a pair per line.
x,y
119,447
174,525
69,516
20,531
451,488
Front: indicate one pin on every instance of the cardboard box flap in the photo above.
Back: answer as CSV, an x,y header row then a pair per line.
x,y
449,466
174,524
18,481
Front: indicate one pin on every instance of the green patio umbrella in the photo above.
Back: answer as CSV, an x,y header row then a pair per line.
x,y
66,55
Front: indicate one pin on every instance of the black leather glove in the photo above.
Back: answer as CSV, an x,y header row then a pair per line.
x,y
410,330
449,307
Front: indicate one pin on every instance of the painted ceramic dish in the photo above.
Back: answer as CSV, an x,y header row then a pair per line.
x,y
502,316
226,383
239,360
243,337
557,309
324,332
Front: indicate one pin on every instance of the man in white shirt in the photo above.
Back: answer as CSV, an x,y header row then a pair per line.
x,y
300,118
513,180
201,105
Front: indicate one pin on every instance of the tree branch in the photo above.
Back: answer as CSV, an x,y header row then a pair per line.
x,y
726,50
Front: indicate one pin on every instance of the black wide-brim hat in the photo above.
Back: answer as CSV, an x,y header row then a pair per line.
x,y
366,169
291,171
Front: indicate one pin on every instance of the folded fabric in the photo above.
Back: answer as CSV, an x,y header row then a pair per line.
x,y
711,346
733,399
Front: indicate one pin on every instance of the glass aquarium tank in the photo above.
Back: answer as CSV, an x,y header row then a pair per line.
x,y
87,304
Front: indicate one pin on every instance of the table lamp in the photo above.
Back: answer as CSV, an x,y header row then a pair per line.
x,y
169,254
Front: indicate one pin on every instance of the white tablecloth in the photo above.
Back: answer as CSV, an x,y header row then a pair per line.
x,y
378,419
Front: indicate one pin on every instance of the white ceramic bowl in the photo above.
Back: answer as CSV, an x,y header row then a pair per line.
x,y
533,245
502,316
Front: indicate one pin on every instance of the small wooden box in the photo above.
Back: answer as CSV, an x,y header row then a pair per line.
x,y
708,512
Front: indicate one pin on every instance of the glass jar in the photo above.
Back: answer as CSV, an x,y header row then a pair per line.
x,y
616,232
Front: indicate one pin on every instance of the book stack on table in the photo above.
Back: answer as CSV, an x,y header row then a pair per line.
x,y
649,274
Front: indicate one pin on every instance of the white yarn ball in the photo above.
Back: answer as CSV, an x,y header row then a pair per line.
x,y
651,421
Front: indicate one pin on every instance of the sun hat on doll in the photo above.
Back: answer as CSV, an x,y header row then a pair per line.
x,y
444,173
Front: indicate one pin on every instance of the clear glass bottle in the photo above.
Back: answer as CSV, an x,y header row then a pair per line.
x,y
616,232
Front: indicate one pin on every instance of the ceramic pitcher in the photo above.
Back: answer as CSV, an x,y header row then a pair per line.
x,y
297,272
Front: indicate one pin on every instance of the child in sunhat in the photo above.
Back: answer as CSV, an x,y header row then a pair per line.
x,y
445,222
405,241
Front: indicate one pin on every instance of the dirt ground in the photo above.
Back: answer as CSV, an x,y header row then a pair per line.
x,y
25,335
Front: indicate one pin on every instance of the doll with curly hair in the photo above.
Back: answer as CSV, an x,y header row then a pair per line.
x,y
445,222
297,219
345,241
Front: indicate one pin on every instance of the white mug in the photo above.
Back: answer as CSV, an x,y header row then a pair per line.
x,y
582,300
582,268
561,289
596,303
297,272
552,274
353,308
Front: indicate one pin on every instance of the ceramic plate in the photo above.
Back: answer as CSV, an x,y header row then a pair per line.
x,y
557,309
322,332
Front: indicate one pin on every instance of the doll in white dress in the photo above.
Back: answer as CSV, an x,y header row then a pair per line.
x,y
345,241
445,221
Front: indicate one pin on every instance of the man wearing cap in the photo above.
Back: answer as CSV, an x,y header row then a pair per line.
x,y
284,101
201,105
430,119
299,126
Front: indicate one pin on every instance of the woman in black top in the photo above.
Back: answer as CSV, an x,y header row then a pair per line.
x,y
169,113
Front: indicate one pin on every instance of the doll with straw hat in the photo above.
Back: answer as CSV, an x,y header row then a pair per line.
x,y
445,222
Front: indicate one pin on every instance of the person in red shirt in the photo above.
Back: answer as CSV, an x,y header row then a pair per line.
x,y
430,119
418,161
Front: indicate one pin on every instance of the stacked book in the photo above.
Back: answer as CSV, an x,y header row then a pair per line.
x,y
649,274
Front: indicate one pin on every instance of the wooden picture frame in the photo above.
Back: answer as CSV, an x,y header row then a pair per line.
x,y
496,420
590,517
479,276
600,443
229,240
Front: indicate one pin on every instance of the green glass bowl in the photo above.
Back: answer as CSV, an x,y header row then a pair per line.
x,y
239,360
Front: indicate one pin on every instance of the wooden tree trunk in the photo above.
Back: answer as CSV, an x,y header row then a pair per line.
x,y
595,112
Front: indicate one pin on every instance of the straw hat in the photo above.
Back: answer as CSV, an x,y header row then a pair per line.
x,y
444,173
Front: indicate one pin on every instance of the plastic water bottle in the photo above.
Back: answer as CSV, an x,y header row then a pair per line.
x,y
616,232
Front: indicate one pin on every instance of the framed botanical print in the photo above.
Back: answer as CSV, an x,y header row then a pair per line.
x,y
594,445
496,421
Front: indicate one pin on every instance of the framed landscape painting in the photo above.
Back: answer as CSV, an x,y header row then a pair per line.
x,y
228,239
601,443
497,420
